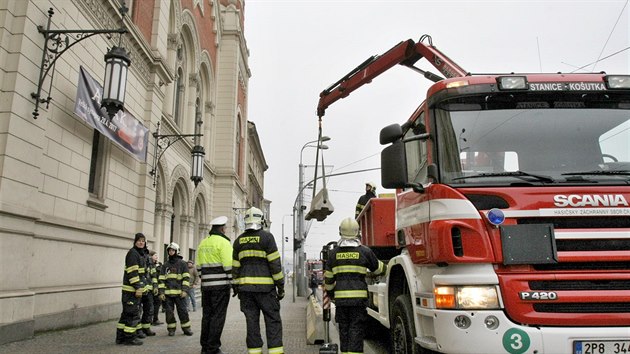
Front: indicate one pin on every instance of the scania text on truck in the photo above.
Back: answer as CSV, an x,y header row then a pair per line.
x,y
510,229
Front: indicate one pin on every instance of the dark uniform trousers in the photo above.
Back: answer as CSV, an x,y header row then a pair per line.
x,y
182,312
251,305
147,311
214,304
129,318
156,306
351,322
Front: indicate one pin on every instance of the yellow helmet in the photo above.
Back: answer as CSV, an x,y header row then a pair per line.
x,y
254,219
349,228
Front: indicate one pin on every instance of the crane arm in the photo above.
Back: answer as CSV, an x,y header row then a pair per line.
x,y
405,53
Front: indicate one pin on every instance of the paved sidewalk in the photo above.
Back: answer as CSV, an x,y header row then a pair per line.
x,y
100,338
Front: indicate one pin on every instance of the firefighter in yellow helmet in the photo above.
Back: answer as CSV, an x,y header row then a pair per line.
x,y
344,279
214,263
370,192
257,272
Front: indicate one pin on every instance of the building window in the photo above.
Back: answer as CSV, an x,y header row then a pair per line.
x,y
98,168
238,148
179,93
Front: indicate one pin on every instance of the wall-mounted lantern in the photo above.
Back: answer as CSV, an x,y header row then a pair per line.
x,y
164,141
57,42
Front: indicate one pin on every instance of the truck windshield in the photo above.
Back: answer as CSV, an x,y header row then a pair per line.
x,y
527,140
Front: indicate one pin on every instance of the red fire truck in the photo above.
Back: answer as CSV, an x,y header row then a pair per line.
x,y
510,228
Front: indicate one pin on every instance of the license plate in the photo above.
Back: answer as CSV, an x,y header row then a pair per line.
x,y
601,347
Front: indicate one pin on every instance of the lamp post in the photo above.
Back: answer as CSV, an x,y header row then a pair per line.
x,y
299,281
117,61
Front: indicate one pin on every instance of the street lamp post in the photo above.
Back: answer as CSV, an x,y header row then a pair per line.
x,y
299,280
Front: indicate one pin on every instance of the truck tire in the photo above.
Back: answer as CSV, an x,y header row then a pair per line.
x,y
402,328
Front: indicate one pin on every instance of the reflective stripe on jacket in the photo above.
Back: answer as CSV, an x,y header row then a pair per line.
x,y
214,262
174,277
256,264
345,271
132,278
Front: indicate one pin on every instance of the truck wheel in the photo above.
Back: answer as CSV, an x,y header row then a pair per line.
x,y
402,328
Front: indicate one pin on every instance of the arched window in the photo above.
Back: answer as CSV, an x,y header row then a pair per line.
x,y
180,86
238,148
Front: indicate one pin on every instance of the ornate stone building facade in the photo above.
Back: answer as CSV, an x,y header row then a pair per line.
x,y
70,198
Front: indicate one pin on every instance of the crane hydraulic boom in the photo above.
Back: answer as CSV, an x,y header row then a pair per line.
x,y
405,53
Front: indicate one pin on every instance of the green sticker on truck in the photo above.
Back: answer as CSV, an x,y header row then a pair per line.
x,y
515,341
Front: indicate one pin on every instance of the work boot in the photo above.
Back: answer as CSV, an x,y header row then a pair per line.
x,y
134,341
140,334
187,331
148,332
171,333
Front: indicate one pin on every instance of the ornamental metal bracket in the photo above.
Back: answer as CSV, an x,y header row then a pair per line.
x,y
57,42
162,143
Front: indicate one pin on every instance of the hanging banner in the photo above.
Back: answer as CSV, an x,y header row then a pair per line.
x,y
123,129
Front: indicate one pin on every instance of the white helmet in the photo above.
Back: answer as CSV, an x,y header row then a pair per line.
x,y
372,186
254,219
349,228
174,246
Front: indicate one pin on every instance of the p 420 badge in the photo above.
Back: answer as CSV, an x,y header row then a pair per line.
x,y
538,295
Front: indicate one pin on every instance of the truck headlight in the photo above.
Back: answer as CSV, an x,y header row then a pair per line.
x,y
466,297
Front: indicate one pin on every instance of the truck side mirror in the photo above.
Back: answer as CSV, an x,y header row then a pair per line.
x,y
394,165
390,133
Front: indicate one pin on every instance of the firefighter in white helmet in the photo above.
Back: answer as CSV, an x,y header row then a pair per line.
x,y
370,192
344,279
259,282
214,262
174,281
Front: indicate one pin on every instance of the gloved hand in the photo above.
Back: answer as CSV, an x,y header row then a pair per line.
x,y
139,292
183,294
155,292
162,297
280,295
234,290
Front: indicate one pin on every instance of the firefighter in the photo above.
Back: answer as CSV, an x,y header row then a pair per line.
x,y
132,290
259,282
148,272
370,192
214,264
173,282
344,279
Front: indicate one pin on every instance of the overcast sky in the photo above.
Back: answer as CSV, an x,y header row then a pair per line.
x,y
299,47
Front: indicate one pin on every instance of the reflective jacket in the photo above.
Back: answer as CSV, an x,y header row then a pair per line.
x,y
132,278
256,264
174,277
214,262
345,272
145,271
155,273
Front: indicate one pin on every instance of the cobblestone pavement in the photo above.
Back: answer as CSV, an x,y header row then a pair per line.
x,y
100,338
